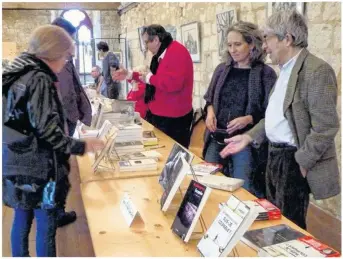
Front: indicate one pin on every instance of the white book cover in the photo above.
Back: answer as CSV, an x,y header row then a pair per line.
x,y
190,210
173,182
221,182
233,220
205,168
137,165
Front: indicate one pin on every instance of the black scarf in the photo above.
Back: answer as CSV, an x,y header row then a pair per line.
x,y
150,89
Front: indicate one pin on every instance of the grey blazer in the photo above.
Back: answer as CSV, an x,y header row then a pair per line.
x,y
310,108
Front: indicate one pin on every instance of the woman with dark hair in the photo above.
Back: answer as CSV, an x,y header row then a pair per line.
x,y
236,100
36,146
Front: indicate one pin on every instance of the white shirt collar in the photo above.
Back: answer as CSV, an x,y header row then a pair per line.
x,y
291,61
162,55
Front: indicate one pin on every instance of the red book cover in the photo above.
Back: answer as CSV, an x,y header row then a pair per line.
x,y
273,211
320,247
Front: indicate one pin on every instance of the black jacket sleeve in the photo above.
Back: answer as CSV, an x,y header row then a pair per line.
x,y
45,118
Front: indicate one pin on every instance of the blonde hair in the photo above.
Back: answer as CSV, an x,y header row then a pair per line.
x,y
50,42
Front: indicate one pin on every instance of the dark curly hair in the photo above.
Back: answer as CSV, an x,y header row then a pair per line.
x,y
102,46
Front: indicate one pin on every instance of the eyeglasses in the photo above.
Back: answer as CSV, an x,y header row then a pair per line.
x,y
219,135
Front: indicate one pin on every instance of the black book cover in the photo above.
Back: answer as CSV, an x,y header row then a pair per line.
x,y
175,154
175,170
188,209
271,235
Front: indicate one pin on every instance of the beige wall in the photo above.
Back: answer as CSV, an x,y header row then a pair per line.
x,y
324,20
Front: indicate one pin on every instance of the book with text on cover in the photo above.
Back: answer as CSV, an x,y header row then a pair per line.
x,y
233,220
175,179
190,210
262,237
266,210
305,246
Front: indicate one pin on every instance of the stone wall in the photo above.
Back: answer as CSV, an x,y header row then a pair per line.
x,y
324,20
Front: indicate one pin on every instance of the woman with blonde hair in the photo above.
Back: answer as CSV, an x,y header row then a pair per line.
x,y
36,146
236,100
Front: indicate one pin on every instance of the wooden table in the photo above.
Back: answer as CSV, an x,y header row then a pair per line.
x,y
85,162
111,236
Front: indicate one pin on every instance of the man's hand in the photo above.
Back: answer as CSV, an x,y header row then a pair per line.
x,y
303,172
235,145
120,74
93,144
238,123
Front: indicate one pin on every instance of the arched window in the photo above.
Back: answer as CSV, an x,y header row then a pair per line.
x,y
85,54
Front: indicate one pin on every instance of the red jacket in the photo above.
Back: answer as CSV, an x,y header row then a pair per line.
x,y
174,83
138,96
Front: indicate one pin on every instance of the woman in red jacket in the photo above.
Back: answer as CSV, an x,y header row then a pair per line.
x,y
137,94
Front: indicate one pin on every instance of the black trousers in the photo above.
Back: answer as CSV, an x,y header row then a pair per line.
x,y
176,128
286,188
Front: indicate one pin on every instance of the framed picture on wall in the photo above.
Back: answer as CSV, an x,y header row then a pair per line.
x,y
141,42
224,20
281,6
118,54
191,40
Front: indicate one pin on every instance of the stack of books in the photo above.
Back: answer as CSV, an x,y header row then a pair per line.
x,y
95,133
149,138
123,148
266,210
137,165
127,133
149,154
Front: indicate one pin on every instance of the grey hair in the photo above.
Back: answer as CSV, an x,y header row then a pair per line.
x,y
289,21
251,35
98,68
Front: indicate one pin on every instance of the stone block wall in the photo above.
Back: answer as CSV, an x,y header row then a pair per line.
x,y
324,21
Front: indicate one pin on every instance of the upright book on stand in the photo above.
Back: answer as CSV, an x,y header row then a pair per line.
x,y
174,181
176,152
233,220
190,210
96,119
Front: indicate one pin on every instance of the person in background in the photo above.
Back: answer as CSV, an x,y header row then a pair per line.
x,y
236,101
169,85
75,103
109,61
98,78
75,100
137,93
301,121
36,146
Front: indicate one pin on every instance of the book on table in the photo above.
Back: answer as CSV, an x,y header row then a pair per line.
x,y
206,168
137,165
151,154
149,138
190,210
305,246
233,220
262,237
174,181
176,152
97,117
221,182
266,210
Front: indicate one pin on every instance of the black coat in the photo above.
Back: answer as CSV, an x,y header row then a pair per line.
x,y
35,146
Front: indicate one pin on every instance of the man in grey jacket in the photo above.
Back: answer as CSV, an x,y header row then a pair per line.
x,y
302,157
109,61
